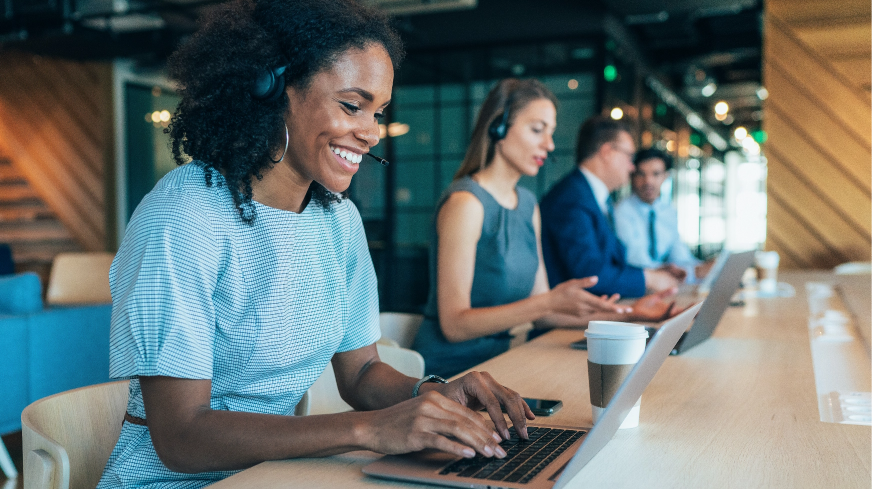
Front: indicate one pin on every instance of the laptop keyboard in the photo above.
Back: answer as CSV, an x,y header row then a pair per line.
x,y
524,458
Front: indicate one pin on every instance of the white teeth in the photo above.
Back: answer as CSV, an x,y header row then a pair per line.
x,y
348,155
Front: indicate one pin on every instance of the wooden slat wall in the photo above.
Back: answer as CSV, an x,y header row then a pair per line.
x,y
56,129
818,116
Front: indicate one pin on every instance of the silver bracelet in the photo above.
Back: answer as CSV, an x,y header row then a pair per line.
x,y
429,378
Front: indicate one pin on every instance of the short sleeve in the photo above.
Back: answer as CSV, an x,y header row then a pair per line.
x,y
162,280
363,326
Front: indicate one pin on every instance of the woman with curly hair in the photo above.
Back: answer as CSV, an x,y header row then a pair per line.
x,y
243,272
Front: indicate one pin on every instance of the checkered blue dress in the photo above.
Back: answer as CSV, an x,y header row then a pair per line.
x,y
259,310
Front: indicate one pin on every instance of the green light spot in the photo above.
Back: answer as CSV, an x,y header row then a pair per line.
x,y
760,136
660,110
610,45
695,139
610,73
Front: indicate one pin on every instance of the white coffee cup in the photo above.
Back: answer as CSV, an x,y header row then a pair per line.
x,y
613,348
767,262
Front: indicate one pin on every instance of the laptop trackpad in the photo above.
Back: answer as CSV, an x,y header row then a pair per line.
x,y
425,460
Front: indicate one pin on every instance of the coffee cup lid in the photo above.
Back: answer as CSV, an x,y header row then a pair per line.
x,y
615,330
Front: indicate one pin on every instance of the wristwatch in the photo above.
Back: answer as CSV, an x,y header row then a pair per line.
x,y
429,378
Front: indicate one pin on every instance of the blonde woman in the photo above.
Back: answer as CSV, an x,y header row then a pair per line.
x,y
486,268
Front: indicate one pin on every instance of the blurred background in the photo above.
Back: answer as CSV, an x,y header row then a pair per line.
x,y
765,106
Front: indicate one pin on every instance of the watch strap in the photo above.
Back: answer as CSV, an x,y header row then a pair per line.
x,y
428,378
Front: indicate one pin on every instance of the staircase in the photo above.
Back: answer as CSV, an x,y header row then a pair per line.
x,y
28,225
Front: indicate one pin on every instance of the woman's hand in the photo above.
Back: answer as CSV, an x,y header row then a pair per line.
x,y
444,418
655,307
571,298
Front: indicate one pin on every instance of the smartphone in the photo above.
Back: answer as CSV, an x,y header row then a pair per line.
x,y
542,407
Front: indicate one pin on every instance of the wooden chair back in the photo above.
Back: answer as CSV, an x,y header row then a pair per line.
x,y
68,437
80,278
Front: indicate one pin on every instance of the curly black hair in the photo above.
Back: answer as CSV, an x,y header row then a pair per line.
x,y
218,122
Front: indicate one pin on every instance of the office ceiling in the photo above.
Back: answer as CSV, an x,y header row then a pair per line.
x,y
691,43
710,51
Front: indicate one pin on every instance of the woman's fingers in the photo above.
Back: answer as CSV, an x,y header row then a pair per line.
x,y
454,423
586,282
518,410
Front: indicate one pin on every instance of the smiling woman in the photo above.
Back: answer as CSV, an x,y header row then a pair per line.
x,y
244,272
225,127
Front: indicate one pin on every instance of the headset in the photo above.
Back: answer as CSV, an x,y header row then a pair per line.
x,y
269,84
500,126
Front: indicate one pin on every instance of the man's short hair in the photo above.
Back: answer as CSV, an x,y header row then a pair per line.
x,y
651,153
595,132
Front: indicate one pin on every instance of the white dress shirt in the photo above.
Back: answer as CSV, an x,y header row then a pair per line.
x,y
600,190
632,227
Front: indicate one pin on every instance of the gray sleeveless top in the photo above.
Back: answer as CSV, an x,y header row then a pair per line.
x,y
506,261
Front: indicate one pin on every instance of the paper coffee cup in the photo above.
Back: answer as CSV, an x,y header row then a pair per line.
x,y
613,348
767,262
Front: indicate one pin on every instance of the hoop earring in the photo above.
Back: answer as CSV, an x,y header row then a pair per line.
x,y
287,140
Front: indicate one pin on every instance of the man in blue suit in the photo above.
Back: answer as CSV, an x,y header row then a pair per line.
x,y
578,237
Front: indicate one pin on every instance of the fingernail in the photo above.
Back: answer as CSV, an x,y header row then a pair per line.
x,y
506,434
496,436
488,451
500,452
468,452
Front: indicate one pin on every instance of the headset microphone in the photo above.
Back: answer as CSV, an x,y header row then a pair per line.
x,y
383,161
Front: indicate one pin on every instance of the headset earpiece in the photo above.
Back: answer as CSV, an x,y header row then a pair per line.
x,y
499,127
269,84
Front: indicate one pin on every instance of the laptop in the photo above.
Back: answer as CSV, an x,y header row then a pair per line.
x,y
722,282
554,454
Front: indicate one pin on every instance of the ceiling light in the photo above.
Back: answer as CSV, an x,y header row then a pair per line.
x,y
709,89
740,133
762,93
573,84
617,113
396,129
721,108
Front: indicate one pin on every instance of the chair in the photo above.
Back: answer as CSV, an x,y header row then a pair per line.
x,y
323,397
399,328
80,278
853,268
68,437
6,465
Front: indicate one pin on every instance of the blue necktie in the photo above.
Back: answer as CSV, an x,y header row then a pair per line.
x,y
652,235
610,212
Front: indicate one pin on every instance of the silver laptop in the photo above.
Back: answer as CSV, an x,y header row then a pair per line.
x,y
554,454
727,274
721,283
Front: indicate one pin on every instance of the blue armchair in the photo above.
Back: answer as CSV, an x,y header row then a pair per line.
x,y
46,350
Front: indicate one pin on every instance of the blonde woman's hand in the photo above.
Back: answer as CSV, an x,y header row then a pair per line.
x,y
570,297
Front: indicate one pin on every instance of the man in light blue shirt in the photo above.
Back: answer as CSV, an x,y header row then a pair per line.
x,y
648,225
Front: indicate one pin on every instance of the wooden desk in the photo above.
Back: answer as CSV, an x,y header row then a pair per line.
x,y
738,410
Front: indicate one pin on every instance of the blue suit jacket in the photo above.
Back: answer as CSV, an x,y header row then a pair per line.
x,y
578,241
